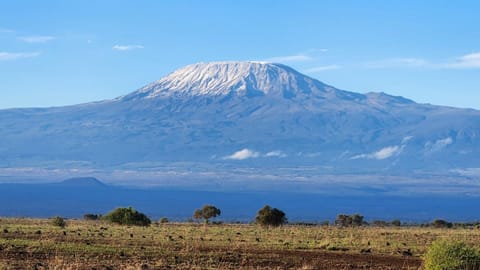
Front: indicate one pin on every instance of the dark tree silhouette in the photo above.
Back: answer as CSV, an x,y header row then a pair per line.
x,y
268,216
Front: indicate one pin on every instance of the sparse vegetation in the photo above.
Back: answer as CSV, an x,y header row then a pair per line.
x,y
206,213
101,245
451,255
128,216
268,216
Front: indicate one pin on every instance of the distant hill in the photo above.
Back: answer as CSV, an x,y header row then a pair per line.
x,y
83,182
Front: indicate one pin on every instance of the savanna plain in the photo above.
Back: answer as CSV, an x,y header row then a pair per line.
x,y
38,244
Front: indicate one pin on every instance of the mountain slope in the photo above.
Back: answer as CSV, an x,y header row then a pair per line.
x,y
245,114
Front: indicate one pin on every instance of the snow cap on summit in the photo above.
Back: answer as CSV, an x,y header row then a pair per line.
x,y
239,78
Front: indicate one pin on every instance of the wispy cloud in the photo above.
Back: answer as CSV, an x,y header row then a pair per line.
x,y
471,60
13,56
432,147
322,68
383,153
243,154
127,47
472,172
290,58
276,153
36,39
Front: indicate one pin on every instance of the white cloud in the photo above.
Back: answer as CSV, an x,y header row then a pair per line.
x,y
14,56
471,172
437,145
467,61
386,152
398,63
277,153
36,39
127,47
383,153
290,58
243,154
322,68
406,139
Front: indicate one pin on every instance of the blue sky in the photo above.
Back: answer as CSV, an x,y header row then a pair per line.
x,y
56,53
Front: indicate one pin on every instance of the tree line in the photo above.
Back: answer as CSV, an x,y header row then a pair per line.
x,y
266,216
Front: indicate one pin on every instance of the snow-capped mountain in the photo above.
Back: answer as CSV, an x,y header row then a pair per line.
x,y
221,79
245,114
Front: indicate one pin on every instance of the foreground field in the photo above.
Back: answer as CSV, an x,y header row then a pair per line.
x,y
36,244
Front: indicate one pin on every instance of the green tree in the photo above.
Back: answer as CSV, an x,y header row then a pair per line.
x,y
268,216
206,213
128,216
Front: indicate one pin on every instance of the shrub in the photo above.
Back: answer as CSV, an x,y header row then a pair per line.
x,y
447,255
128,216
349,220
164,220
379,223
91,217
268,216
440,223
206,213
396,223
59,222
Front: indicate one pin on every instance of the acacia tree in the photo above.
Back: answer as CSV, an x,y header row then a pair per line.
x,y
206,213
268,216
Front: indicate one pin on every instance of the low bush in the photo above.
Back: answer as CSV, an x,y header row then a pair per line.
x,y
396,223
447,255
59,222
91,217
163,220
128,216
349,220
440,223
